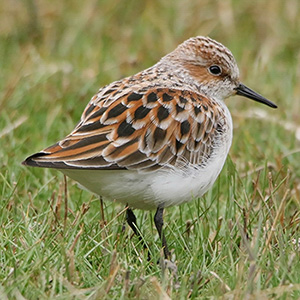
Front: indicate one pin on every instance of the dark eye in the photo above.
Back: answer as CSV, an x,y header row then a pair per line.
x,y
215,70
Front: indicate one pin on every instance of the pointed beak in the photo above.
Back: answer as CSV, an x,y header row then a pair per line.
x,y
242,90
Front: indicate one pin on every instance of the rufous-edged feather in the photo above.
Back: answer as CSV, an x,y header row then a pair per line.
x,y
163,126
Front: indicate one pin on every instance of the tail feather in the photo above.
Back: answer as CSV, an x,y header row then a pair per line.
x,y
36,160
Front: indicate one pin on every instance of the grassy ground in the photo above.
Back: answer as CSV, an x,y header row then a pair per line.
x,y
240,241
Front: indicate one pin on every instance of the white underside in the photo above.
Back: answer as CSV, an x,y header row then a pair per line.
x,y
148,190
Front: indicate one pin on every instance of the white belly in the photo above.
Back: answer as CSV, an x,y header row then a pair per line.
x,y
148,190
165,187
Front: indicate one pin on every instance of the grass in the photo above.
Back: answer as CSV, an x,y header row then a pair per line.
x,y
240,241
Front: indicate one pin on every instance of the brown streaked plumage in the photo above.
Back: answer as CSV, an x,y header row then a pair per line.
x,y
140,133
159,137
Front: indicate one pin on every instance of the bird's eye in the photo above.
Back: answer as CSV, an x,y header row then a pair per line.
x,y
215,70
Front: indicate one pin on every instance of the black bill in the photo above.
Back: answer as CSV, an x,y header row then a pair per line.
x,y
242,90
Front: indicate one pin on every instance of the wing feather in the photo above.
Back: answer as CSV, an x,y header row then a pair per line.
x,y
122,128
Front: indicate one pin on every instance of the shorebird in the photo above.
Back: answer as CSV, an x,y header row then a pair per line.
x,y
158,138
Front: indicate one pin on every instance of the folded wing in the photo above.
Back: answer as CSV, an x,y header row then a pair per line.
x,y
138,129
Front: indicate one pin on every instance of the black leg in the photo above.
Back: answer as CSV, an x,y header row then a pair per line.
x,y
159,222
131,220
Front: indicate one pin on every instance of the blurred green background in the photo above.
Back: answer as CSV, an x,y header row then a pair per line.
x,y
54,55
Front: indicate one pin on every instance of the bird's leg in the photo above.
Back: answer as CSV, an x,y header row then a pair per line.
x,y
159,222
103,222
131,220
